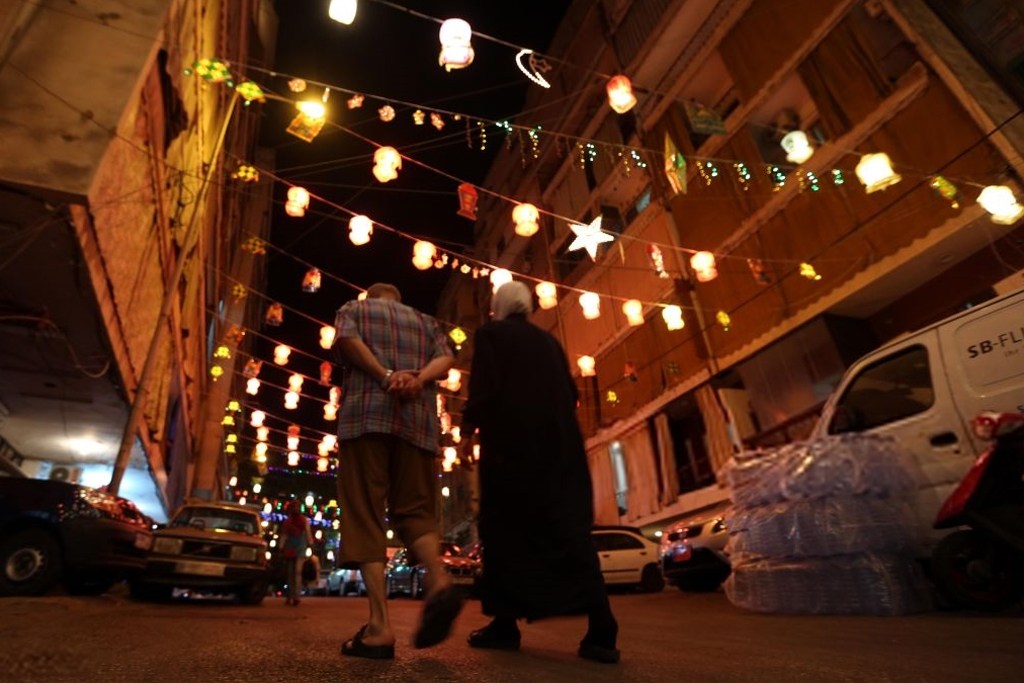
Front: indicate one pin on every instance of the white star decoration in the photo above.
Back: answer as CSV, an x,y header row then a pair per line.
x,y
588,237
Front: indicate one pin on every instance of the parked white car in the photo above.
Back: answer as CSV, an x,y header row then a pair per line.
x,y
628,558
693,554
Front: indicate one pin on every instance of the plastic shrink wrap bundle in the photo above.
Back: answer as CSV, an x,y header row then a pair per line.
x,y
824,527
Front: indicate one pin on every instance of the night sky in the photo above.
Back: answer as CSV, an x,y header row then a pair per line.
x,y
387,54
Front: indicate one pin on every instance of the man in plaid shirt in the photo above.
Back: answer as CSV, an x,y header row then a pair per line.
x,y
388,437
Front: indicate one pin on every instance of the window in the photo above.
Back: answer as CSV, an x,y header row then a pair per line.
x,y
888,390
606,542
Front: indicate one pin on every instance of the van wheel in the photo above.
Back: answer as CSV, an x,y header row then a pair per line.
x,y
253,593
30,563
652,580
972,571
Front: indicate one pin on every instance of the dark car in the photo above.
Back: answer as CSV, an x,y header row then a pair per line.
x,y
211,547
405,574
54,531
693,554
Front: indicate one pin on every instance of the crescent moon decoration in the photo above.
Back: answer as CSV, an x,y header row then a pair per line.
x,y
534,68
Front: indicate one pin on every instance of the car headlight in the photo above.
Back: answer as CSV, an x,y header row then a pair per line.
x,y
167,546
241,553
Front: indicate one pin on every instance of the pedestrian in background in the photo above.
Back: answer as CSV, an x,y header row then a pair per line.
x,y
536,500
295,538
388,436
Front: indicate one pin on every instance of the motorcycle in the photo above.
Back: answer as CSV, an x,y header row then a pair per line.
x,y
983,567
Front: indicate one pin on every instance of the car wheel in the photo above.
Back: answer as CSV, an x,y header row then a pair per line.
x,y
253,593
652,580
30,561
970,570
94,585
149,592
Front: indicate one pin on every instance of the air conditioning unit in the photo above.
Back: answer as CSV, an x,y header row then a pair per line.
x,y
68,473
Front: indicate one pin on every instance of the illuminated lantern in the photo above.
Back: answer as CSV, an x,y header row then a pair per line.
x,y
327,337
450,456
386,113
634,311
252,367
499,277
724,320
418,117
1000,201
322,464
620,94
261,450
274,315
798,147
291,400
216,372
295,382
228,421
293,458
252,386
330,411
587,366
298,202
703,264
591,304
458,335
311,280
808,271
386,164
293,443
673,317
257,418
222,352
325,373
336,395
423,254
456,433
468,198
454,380
875,172
262,433
281,353
343,11
456,50
525,216
234,406
546,295
657,260
331,441
360,228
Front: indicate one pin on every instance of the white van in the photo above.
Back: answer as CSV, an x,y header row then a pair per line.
x,y
924,389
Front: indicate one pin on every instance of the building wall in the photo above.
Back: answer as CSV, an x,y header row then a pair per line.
x,y
853,74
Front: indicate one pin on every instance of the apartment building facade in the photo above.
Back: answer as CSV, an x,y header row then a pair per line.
x,y
126,226
812,269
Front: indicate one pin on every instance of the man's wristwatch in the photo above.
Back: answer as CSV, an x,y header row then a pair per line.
x,y
387,376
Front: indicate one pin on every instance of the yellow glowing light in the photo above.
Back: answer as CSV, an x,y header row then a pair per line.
x,y
634,311
547,295
591,305
525,216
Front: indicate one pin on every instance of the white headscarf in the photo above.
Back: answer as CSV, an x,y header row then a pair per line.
x,y
512,297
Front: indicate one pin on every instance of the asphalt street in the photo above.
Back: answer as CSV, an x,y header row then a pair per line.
x,y
670,636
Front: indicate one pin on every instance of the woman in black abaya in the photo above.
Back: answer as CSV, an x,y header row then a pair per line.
x,y
536,503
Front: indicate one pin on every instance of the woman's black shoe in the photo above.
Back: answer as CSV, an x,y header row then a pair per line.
x,y
491,638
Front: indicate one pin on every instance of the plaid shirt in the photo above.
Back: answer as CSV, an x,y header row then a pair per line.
x,y
401,338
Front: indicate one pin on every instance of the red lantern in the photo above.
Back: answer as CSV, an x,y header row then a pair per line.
x,y
620,94
468,198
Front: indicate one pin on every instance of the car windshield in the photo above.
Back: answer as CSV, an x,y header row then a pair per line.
x,y
216,519
450,550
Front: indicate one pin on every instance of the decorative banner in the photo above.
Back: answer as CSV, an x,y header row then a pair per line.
x,y
534,67
247,174
675,166
703,120
588,237
249,92
211,70
306,127
657,260
468,199
758,268
946,190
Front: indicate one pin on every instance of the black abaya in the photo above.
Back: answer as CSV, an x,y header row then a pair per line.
x,y
536,501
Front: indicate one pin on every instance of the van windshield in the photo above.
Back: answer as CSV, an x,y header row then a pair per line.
x,y
888,390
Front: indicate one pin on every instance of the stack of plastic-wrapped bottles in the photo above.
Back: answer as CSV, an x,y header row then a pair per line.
x,y
824,527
